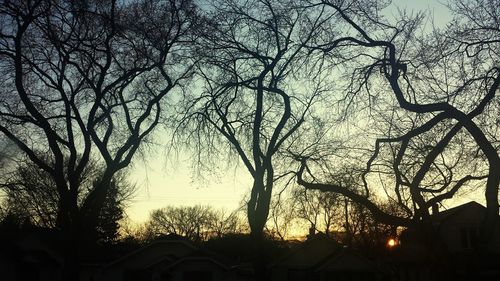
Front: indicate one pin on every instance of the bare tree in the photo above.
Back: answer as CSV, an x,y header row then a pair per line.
x,y
224,223
447,83
322,211
196,223
86,79
79,77
32,193
251,51
254,60
282,217
364,232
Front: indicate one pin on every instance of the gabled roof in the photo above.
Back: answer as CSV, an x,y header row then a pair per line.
x,y
199,258
164,249
41,257
166,260
198,254
446,214
346,259
309,253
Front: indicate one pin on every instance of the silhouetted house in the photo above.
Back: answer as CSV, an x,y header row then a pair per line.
x,y
89,271
31,255
136,265
8,261
459,227
194,268
347,265
172,260
33,265
322,258
458,230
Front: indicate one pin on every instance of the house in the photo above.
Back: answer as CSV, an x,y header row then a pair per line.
x,y
322,258
459,227
347,265
194,268
31,255
172,260
136,265
457,231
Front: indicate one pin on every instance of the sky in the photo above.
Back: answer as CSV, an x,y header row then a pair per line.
x,y
164,180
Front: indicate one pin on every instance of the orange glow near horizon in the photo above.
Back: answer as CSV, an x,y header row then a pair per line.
x,y
391,242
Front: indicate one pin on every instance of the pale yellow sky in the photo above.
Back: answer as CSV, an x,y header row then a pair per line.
x,y
162,183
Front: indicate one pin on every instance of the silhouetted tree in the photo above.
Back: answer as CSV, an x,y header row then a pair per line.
x,y
446,83
31,193
282,217
249,52
342,219
196,223
86,79
364,232
323,211
254,68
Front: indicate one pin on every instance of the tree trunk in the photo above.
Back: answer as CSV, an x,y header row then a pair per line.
x,y
260,257
258,210
71,266
93,205
490,224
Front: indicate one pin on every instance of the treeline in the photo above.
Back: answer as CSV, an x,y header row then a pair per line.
x,y
197,223
293,218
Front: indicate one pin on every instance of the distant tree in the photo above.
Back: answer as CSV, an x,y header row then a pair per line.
x,y
282,217
197,223
364,232
223,223
322,211
335,215
12,221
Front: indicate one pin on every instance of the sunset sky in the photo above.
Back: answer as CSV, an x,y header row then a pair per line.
x,y
164,180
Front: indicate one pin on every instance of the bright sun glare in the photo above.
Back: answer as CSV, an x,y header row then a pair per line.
x,y
391,242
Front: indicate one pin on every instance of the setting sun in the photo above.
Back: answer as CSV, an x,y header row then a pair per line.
x,y
391,243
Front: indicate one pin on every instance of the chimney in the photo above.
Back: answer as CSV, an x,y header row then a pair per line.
x,y
312,232
435,209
